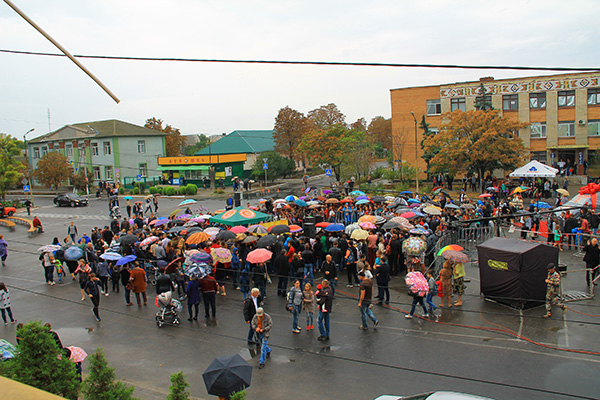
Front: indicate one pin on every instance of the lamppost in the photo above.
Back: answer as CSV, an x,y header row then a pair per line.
x,y
264,162
29,161
416,153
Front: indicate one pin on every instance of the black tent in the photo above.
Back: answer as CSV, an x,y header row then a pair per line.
x,y
513,272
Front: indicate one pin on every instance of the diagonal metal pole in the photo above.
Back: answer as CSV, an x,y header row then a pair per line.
x,y
61,48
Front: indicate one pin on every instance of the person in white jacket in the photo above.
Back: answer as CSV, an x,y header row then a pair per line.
x,y
5,304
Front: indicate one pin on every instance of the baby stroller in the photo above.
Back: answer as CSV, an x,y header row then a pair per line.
x,y
169,309
116,212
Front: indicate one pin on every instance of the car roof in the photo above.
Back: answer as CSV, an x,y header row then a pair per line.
x,y
440,395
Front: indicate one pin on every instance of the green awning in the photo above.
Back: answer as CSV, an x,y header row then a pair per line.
x,y
183,168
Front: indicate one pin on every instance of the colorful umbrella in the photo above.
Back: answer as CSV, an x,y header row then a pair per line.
x,y
414,246
432,210
259,256
359,234
197,237
239,237
418,231
367,218
347,200
49,248
450,247
400,220
327,191
408,215
417,283
455,256
187,202
484,195
367,225
128,198
148,240
126,259
332,201
239,229
77,354
362,201
295,228
301,203
174,212
357,193
258,229
564,192
200,257
212,231
322,224
221,254
291,198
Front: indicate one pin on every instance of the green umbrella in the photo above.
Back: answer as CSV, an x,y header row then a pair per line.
x,y
239,216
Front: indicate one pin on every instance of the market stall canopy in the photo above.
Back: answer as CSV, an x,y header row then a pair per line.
x,y
239,216
534,169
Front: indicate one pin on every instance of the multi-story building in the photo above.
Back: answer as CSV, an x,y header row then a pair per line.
x,y
563,112
112,150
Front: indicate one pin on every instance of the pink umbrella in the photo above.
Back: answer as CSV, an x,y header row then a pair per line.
x,y
221,254
77,354
408,215
259,256
148,241
212,231
367,225
239,229
484,195
160,222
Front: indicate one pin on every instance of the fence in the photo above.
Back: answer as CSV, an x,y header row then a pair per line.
x,y
467,237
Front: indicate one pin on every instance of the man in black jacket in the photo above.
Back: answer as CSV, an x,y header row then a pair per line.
x,y
395,251
570,224
325,302
591,258
330,271
251,303
336,254
282,268
163,282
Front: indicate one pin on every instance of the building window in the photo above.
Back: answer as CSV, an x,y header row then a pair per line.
x,y
69,150
538,130
458,103
593,128
95,149
96,173
141,146
433,131
44,150
593,97
36,152
566,129
434,107
483,102
566,98
107,150
108,173
143,170
510,102
537,100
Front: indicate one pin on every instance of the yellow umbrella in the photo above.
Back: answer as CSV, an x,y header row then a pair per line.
x,y
564,192
359,234
197,237
175,212
367,218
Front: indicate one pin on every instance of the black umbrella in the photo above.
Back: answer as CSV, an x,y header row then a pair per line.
x,y
227,375
279,229
128,239
225,235
266,241
391,225
178,222
378,199
193,229
176,229
249,239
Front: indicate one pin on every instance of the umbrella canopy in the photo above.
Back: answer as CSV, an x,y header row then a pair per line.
x,y
291,198
221,254
187,202
471,206
212,231
519,189
148,240
408,215
240,216
455,256
391,225
301,203
367,218
227,375
295,228
418,231
176,229
258,229
225,235
250,239
359,234
190,223
128,239
160,221
49,248
73,253
414,246
259,256
357,193
279,229
239,237
451,205
450,247
491,189
534,169
111,256
77,354
484,195
432,210
169,269
239,229
200,257
128,198
126,259
327,191
266,241
367,225
564,192
322,224
400,220
333,200
347,200
334,228
351,228
362,201
378,199
197,237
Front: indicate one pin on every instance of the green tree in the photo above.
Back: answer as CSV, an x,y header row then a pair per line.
x,y
174,141
203,141
476,141
81,180
101,384
428,152
178,386
41,363
326,147
359,152
279,166
11,170
484,100
290,127
53,169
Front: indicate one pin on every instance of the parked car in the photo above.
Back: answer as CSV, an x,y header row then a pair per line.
x,y
70,199
440,395
7,211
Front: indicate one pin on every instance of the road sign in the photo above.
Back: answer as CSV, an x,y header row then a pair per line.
x,y
24,181
328,172
175,181
138,177
26,188
265,166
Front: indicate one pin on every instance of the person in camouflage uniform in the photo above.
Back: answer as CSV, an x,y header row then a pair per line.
x,y
553,291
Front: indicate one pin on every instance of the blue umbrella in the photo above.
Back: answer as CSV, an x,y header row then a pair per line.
x,y
542,204
406,192
291,198
186,202
111,256
73,253
357,193
126,259
300,203
334,228
362,197
362,201
128,198
413,201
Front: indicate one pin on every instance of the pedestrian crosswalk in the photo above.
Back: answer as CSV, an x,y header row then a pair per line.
x,y
42,216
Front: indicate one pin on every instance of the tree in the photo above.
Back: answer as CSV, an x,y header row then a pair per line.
x,y
11,170
53,169
81,180
484,100
359,147
174,141
290,127
381,129
38,364
326,146
428,153
279,166
326,117
177,390
203,142
476,141
359,125
101,384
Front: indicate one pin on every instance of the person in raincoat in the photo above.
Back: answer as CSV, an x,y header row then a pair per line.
x,y
446,279
3,250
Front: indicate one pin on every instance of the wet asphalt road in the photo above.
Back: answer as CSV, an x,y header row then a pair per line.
x,y
472,349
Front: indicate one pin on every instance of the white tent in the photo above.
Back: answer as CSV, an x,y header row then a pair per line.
x,y
534,169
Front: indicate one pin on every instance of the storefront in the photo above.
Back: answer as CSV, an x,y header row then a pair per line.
x,y
195,169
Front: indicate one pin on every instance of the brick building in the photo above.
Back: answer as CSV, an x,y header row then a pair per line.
x,y
563,110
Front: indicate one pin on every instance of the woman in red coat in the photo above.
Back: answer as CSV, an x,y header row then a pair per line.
x,y
138,276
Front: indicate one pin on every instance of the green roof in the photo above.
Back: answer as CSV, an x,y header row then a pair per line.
x,y
97,129
241,142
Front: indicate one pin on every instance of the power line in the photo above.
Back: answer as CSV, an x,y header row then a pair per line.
x,y
329,63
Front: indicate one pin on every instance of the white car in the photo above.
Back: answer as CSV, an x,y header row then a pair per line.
x,y
435,396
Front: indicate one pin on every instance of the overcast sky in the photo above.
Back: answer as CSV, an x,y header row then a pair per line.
x,y
217,98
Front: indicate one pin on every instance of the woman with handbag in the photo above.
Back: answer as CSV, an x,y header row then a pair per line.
x,y
127,283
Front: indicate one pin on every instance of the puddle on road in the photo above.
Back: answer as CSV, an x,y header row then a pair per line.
x,y
74,335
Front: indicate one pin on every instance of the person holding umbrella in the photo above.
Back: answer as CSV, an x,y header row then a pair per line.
x,y
262,324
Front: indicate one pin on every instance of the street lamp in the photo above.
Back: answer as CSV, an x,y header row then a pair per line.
x,y
416,153
29,161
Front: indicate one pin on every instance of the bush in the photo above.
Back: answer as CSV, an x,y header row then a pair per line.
x,y
219,191
160,190
378,172
153,190
141,187
135,190
177,390
101,383
191,189
182,190
121,190
169,191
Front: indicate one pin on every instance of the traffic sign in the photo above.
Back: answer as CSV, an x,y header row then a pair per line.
x,y
328,172
24,181
265,166
138,177
26,188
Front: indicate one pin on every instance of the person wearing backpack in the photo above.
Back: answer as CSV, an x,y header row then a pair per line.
x,y
294,304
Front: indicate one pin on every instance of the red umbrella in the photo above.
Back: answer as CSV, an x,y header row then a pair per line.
x,y
346,200
259,256
169,269
481,196
295,228
408,214
239,229
322,224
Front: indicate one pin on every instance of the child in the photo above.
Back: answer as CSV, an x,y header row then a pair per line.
x,y
433,290
60,271
309,306
245,281
5,304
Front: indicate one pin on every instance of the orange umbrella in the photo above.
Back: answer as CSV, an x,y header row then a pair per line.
x,y
332,201
367,218
197,237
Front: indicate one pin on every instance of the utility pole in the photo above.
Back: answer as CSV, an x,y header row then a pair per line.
x,y
416,154
30,164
